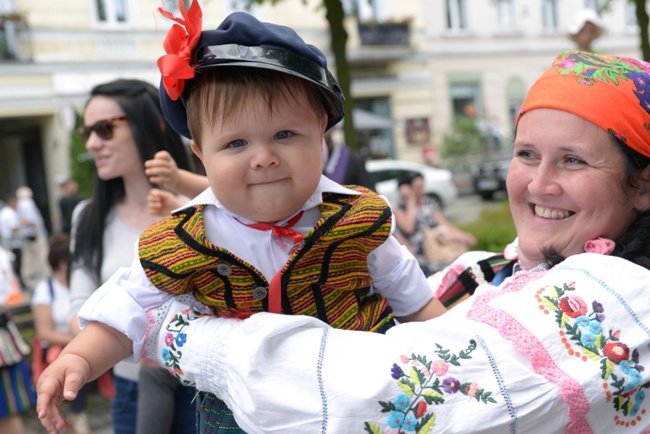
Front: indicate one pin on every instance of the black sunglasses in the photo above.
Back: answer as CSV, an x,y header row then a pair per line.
x,y
103,129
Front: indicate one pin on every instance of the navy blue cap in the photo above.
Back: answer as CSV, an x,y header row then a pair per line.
x,y
243,40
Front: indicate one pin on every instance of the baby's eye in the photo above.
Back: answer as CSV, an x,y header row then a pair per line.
x,y
237,143
283,135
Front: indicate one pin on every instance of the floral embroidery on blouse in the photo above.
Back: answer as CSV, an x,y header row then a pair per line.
x,y
175,339
424,383
585,336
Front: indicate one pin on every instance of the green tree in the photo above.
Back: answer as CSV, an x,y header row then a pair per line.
x,y
462,142
642,20
338,38
82,166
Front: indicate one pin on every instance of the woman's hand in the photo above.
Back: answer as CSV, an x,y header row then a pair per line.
x,y
163,171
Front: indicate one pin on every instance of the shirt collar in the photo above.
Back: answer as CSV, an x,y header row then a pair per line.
x,y
325,185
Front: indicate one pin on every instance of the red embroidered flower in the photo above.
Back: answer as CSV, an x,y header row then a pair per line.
x,y
180,41
573,306
616,352
421,409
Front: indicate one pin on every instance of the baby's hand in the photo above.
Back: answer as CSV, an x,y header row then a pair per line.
x,y
61,380
162,170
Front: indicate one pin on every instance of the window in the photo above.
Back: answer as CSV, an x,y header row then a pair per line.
x,y
506,17
465,99
173,6
516,92
456,18
549,15
112,12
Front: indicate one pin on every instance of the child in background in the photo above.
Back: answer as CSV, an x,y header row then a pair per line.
x,y
271,233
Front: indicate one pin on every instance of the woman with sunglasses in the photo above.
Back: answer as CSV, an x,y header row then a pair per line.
x,y
123,126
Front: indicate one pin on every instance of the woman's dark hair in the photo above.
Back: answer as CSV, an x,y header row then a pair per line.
x,y
408,178
59,250
141,105
635,241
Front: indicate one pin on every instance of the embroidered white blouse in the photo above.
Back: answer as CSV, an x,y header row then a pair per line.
x,y
547,352
123,301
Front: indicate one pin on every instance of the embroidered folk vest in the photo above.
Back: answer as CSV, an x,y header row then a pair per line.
x,y
326,277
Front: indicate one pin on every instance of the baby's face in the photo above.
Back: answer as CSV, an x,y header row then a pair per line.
x,y
264,166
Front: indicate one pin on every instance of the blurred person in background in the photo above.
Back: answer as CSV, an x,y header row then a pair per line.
x,y
424,229
50,305
67,202
124,127
10,231
17,394
34,264
343,165
585,29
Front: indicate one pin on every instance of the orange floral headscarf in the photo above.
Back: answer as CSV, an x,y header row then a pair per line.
x,y
611,92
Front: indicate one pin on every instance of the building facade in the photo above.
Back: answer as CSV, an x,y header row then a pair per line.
x,y
416,66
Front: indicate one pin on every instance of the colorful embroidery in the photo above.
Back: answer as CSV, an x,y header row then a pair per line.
x,y
581,325
590,68
175,339
424,383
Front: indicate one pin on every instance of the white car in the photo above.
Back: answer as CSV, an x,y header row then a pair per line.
x,y
438,183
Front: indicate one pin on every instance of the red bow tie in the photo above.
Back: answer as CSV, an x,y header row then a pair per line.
x,y
280,231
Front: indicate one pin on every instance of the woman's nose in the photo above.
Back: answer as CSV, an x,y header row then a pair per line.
x,y
545,180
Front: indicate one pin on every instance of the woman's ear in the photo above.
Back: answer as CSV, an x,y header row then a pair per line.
x,y
643,196
197,151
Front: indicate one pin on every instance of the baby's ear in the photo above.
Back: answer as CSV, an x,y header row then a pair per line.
x,y
323,123
196,149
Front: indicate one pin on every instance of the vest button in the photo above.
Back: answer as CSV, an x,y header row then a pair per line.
x,y
224,270
260,293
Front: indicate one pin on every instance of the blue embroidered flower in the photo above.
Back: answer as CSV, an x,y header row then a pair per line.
x,y
181,338
401,402
395,419
635,379
595,327
583,321
409,423
625,366
588,340
396,372
166,355
640,396
635,410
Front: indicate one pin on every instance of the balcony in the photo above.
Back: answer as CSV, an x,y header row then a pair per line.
x,y
383,34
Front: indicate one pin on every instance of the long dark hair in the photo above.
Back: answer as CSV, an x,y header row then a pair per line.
x,y
141,105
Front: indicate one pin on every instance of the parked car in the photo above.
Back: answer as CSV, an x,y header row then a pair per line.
x,y
489,174
438,183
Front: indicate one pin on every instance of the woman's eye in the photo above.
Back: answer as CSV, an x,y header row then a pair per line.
x,y
236,143
283,135
524,154
574,160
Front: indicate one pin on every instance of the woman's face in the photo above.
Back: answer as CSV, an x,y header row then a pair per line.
x,y
566,185
117,156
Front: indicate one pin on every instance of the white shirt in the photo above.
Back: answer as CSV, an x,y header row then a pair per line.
x,y
512,359
123,300
60,303
10,228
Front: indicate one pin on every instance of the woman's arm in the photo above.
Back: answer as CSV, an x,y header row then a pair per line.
x,y
502,361
44,326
